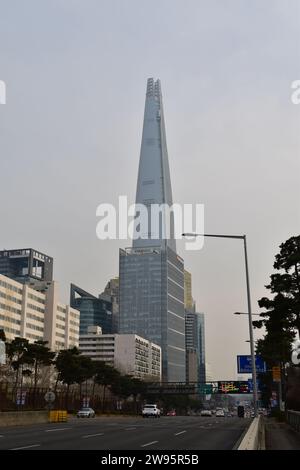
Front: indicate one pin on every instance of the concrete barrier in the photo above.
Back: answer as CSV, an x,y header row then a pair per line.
x,y
21,418
254,438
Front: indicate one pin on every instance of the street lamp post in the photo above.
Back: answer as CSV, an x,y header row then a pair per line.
x,y
241,237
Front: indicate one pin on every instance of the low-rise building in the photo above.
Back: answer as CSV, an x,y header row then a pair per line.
x,y
32,311
129,353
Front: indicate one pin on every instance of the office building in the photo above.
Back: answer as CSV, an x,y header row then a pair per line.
x,y
189,303
130,354
26,265
94,311
35,313
202,367
195,341
151,272
111,294
191,365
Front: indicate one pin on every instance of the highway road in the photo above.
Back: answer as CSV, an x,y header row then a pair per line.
x,y
127,433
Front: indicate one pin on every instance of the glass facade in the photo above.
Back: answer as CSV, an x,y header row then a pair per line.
x,y
26,265
93,311
202,368
195,339
152,303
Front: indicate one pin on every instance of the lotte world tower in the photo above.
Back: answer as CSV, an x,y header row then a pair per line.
x,y
151,272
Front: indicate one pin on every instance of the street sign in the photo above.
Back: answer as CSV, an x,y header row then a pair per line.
x,y
86,402
2,353
274,401
244,364
250,383
206,389
20,399
49,396
233,387
276,374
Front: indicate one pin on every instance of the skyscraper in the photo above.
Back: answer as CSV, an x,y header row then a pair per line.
x,y
111,294
195,340
189,303
151,272
194,334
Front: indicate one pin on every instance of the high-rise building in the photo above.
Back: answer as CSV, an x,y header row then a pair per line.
x,y
151,272
192,365
111,294
188,299
94,311
35,313
202,368
26,265
195,341
129,353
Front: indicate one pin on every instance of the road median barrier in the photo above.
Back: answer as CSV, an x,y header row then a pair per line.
x,y
22,418
254,437
58,416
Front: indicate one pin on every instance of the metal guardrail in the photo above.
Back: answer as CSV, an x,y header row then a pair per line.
x,y
293,418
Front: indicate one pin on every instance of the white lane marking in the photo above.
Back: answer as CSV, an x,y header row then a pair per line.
x,y
149,443
129,429
92,435
178,433
56,429
26,447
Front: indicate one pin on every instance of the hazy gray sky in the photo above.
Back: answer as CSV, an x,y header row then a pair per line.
x,y
70,136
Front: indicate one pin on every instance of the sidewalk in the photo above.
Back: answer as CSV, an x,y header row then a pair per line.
x,y
281,436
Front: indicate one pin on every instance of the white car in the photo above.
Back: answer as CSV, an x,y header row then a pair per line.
x,y
151,410
220,414
86,413
206,413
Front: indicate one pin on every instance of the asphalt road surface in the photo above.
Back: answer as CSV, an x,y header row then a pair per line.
x,y
127,433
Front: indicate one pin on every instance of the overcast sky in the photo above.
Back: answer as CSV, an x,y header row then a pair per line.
x,y
70,134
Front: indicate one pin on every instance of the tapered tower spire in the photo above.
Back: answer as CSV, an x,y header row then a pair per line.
x,y
154,183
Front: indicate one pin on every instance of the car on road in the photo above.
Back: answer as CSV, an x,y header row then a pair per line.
x,y
171,413
86,413
151,410
220,414
206,413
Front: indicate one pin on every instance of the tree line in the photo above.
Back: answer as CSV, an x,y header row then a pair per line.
x,y
26,362
281,321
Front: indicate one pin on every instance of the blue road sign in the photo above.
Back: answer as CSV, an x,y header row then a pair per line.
x,y
244,364
250,384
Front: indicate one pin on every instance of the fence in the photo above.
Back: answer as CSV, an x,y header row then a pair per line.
x,y
293,418
27,398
